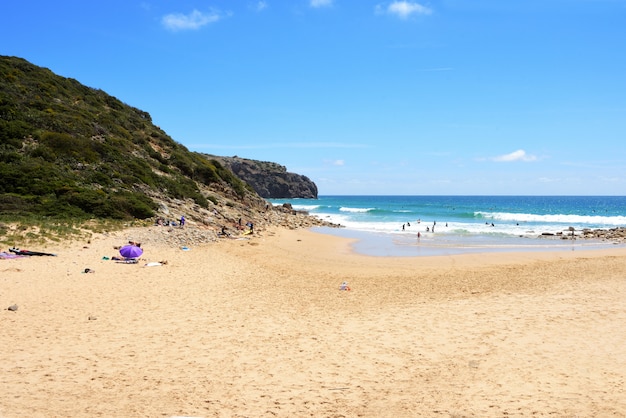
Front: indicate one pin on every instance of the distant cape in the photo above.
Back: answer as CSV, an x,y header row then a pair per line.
x,y
270,180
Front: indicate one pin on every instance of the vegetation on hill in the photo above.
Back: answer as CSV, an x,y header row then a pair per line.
x,y
71,151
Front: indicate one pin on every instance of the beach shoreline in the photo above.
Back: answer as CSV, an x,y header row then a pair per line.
x,y
385,244
258,327
422,226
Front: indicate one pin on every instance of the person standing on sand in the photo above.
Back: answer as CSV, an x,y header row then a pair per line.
x,y
182,221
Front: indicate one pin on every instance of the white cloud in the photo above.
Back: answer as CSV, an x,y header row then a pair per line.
x,y
192,21
548,180
611,179
321,3
261,5
519,155
339,162
403,9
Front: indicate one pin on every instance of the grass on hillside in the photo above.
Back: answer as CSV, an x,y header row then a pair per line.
x,y
30,231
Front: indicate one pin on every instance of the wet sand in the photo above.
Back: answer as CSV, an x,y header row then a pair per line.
x,y
259,327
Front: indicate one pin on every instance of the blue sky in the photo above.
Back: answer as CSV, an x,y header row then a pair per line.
x,y
363,97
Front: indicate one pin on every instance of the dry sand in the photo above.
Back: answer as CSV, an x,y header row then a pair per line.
x,y
258,328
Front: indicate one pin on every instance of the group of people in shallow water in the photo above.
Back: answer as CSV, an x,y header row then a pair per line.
x,y
419,221
431,228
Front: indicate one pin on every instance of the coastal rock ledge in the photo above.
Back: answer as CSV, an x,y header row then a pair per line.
x,y
617,235
612,234
207,227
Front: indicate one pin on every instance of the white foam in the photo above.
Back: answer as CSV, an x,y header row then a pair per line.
x,y
355,210
307,208
560,218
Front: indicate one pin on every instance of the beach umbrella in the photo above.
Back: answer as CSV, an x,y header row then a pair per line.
x,y
131,251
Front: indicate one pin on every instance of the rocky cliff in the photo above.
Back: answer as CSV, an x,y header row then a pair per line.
x,y
270,180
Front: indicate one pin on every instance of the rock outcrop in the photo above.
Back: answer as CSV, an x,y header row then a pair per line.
x,y
617,235
612,234
231,219
270,180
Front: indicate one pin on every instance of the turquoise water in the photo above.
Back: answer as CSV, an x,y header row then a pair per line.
x,y
389,224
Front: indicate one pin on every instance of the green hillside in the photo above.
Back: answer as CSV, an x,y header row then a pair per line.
x,y
67,150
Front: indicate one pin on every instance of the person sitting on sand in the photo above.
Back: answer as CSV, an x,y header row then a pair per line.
x,y
136,244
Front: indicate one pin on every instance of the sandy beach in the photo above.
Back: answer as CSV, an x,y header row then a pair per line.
x,y
259,328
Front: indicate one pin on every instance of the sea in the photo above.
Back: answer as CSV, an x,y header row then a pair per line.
x,y
442,225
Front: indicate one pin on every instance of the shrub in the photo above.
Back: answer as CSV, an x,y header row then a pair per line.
x,y
65,145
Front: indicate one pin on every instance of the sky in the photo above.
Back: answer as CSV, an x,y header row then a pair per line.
x,y
440,97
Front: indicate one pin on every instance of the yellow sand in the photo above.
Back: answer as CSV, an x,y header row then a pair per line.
x,y
259,328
